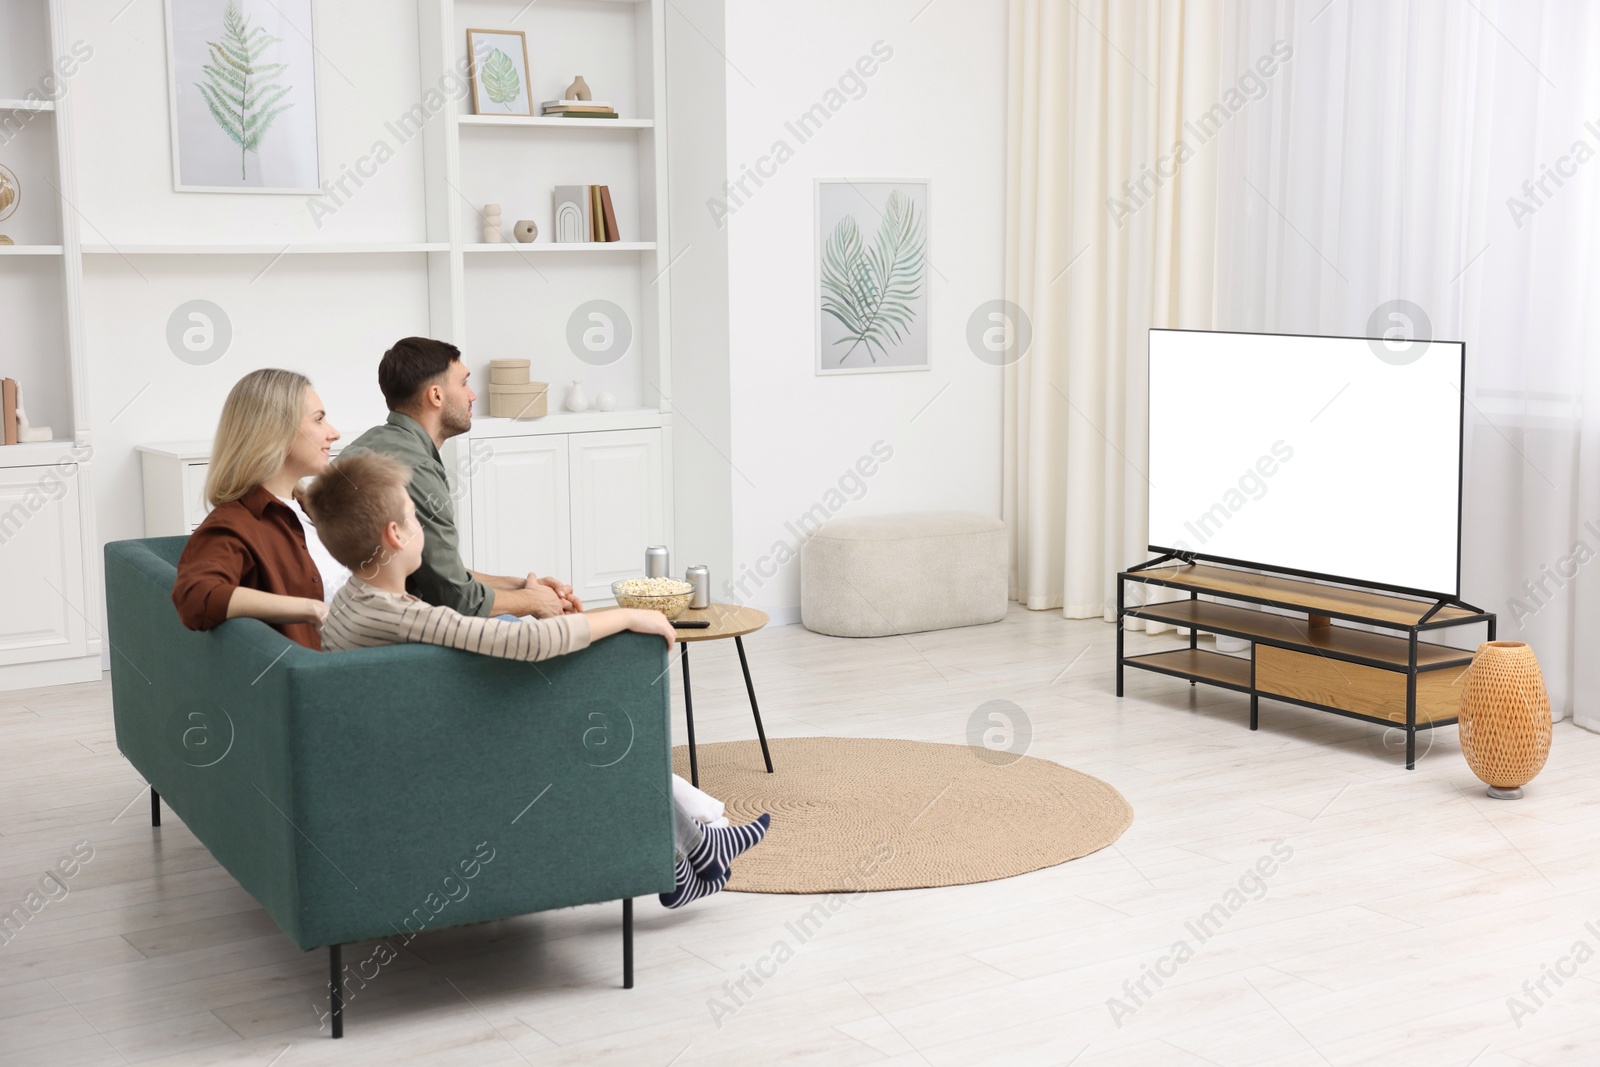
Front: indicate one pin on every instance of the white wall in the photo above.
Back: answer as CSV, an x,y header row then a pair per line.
x,y
697,159
935,109
330,317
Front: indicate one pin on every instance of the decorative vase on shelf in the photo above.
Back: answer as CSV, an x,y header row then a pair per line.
x,y
525,230
578,90
1505,717
606,401
576,400
491,225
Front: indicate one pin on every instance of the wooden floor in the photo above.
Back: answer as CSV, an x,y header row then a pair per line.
x,y
1408,914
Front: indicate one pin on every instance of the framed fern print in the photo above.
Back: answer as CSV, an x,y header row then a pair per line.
x,y
871,302
499,72
241,80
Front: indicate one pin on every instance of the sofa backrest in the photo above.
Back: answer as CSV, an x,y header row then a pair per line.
x,y
341,788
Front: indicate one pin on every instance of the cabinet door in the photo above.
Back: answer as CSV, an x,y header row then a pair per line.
x,y
520,516
616,508
41,565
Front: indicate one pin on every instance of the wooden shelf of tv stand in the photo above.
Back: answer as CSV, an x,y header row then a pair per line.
x,y
1284,631
1296,594
1392,679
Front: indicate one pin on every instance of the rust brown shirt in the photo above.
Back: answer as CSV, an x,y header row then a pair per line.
x,y
255,542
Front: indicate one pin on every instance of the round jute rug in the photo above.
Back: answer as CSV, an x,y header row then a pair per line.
x,y
867,814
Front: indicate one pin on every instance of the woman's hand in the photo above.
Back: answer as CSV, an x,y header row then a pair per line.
x,y
275,607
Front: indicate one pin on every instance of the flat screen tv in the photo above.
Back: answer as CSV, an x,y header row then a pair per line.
x,y
1328,457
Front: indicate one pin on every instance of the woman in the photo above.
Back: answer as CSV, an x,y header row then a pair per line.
x,y
249,558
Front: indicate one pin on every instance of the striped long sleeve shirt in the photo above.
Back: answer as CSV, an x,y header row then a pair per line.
x,y
362,616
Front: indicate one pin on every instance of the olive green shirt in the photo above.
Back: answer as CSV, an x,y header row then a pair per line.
x,y
442,578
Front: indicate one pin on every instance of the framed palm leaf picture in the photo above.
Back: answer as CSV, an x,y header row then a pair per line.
x,y
499,72
872,275
242,89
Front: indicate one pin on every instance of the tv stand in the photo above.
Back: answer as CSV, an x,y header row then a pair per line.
x,y
1390,679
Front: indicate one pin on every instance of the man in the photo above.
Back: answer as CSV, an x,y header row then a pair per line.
x,y
424,383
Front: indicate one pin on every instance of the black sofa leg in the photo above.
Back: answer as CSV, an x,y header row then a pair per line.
x,y
155,807
335,991
627,943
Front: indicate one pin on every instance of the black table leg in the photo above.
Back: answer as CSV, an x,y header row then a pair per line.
x,y
754,710
335,991
627,943
688,715
155,807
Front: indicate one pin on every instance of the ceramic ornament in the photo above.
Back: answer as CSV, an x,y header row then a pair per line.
x,y
606,401
576,399
491,225
525,230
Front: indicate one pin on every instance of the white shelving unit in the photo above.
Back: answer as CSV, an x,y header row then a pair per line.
x,y
490,299
618,123
262,250
49,553
543,247
614,481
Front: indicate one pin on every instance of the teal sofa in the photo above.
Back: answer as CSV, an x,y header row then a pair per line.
x,y
390,792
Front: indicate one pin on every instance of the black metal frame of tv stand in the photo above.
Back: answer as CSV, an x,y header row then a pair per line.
x,y
1143,573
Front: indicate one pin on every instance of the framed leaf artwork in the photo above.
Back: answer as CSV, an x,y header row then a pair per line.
x,y
871,302
242,92
499,72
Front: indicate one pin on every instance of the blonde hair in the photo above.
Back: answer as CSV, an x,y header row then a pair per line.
x,y
259,420
353,501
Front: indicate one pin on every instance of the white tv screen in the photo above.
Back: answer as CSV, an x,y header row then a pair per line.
x,y
1331,456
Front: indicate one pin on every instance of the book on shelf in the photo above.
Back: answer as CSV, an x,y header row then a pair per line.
x,y
8,408
597,219
578,109
609,214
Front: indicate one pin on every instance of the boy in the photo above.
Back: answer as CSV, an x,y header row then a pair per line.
x,y
366,519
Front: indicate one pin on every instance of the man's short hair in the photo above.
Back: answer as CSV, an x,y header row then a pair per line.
x,y
353,501
412,363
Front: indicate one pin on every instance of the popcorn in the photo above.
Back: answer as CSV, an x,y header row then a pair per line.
x,y
651,587
666,595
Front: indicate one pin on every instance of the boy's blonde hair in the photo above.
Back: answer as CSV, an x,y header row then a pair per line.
x,y
259,420
353,501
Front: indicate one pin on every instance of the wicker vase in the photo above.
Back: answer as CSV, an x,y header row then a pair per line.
x,y
1505,717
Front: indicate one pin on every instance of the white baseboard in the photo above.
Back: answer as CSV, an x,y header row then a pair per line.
x,y
783,616
50,672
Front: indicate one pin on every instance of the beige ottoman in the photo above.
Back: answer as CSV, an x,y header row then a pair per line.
x,y
899,574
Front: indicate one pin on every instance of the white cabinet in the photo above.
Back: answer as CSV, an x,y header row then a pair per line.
x,y
616,507
42,570
576,497
520,512
174,486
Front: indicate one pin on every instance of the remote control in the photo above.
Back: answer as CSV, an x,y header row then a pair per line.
x,y
692,624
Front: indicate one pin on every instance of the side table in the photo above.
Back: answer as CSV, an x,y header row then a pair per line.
x,y
727,620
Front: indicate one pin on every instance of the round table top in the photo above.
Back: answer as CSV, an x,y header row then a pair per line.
x,y
727,620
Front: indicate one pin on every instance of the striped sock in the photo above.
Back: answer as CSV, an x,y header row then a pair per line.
x,y
722,844
692,885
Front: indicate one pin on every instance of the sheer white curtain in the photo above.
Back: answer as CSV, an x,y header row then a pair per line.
x,y
1100,91
1446,154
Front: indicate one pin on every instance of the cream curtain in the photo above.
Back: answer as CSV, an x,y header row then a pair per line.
x,y
1445,154
1110,220
1427,151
